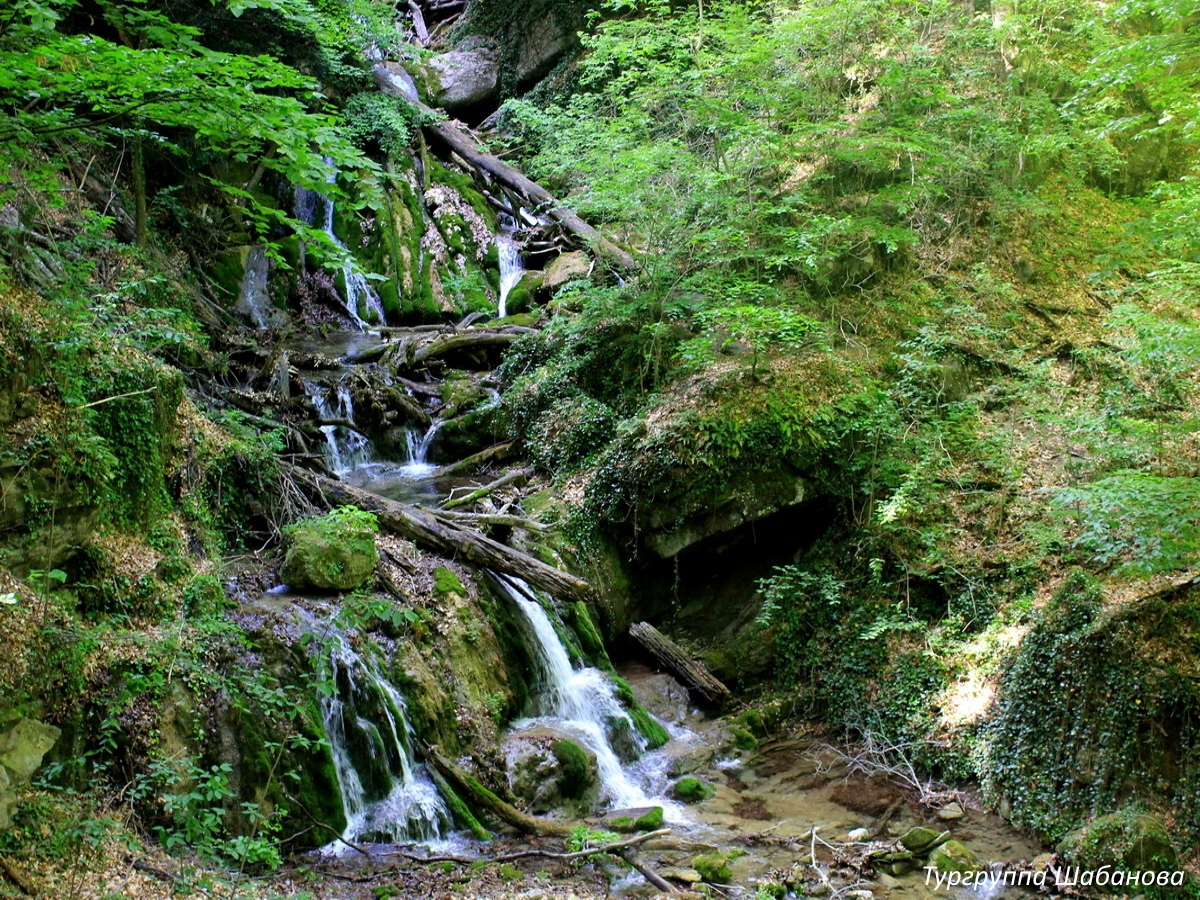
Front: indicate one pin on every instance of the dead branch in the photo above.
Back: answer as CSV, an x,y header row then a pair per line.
x,y
480,493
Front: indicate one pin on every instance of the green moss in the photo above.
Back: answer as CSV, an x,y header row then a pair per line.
x,y
743,739
590,643
331,552
461,812
445,583
690,790
713,868
204,596
654,733
651,820
575,768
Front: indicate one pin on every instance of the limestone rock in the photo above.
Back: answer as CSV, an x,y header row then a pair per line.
x,y
951,811
713,868
690,790
542,47
921,840
687,876
393,79
23,746
628,821
330,553
953,856
566,267
548,770
466,77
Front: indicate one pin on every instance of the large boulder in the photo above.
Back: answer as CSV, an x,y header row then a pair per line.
x,y
548,770
566,267
23,743
466,77
334,552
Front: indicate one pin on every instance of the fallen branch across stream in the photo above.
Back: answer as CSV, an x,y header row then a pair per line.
x,y
541,854
439,535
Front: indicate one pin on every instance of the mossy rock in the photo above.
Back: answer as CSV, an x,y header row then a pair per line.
x,y
742,738
1129,839
713,868
631,821
954,856
921,840
577,770
445,583
334,552
690,790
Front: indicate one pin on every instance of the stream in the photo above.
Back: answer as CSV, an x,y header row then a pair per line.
x,y
766,804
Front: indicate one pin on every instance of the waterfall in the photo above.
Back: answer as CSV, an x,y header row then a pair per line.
x,y
417,463
253,301
386,794
581,700
510,269
345,448
316,209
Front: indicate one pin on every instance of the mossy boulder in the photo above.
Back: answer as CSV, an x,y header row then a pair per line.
x,y
1129,839
713,868
23,743
628,821
922,840
334,552
690,790
954,856
548,770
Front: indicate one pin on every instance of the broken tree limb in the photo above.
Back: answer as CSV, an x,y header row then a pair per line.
x,y
481,798
648,873
693,674
498,519
541,854
419,526
481,492
494,453
466,147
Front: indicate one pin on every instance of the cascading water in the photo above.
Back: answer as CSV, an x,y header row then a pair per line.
x,y
345,448
510,270
386,794
316,209
253,300
581,701
417,463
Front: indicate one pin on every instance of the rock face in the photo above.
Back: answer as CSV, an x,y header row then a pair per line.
x,y
23,743
330,553
466,77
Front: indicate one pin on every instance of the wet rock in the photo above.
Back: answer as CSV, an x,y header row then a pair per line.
x,y
1127,839
548,770
687,876
335,552
628,821
951,812
954,856
690,790
713,868
922,840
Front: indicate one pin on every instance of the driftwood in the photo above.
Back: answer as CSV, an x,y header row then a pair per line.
x,y
481,492
481,798
694,674
534,194
494,453
445,537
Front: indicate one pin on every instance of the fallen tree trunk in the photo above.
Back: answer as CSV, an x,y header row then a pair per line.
x,y
426,530
481,798
466,147
693,674
468,340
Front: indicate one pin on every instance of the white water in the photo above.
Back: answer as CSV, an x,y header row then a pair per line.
x,y
510,270
253,301
418,463
345,448
581,702
315,209
367,725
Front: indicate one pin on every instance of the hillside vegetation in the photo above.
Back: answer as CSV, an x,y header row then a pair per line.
x,y
894,423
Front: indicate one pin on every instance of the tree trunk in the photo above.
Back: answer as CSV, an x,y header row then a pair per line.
x,y
424,529
671,655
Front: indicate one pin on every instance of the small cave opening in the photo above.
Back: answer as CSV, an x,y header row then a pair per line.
x,y
708,591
